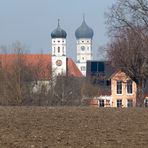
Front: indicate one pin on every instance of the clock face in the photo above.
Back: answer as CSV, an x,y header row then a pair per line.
x,y
82,48
58,62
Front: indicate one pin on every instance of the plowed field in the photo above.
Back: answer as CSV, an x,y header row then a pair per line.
x,y
73,127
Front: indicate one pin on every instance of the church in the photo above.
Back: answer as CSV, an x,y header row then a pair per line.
x,y
116,88
84,35
59,63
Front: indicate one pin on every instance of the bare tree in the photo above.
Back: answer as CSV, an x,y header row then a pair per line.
x,y
129,53
128,28
89,90
17,77
67,91
127,14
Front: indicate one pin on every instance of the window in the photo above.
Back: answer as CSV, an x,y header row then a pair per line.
x,y
63,51
58,41
108,82
82,41
119,103
146,102
83,68
119,87
58,49
101,103
107,103
129,87
54,51
129,103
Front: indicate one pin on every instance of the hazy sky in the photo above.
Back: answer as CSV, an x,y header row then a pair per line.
x,y
32,21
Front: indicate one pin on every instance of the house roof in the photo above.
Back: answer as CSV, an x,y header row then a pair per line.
x,y
42,62
105,67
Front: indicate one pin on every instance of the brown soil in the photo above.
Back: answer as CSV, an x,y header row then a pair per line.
x,y
73,127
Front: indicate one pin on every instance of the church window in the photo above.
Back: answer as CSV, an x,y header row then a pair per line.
x,y
58,49
87,41
83,68
82,41
63,50
54,50
58,41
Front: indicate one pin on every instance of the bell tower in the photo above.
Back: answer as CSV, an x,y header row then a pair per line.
x,y
84,35
59,51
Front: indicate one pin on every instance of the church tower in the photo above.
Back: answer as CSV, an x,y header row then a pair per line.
x,y
84,35
59,66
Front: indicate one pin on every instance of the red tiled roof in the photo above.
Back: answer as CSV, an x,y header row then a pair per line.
x,y
73,69
39,61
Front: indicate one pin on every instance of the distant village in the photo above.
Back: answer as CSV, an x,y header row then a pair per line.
x,y
55,79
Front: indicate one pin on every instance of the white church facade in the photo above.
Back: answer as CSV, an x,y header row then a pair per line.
x,y
84,35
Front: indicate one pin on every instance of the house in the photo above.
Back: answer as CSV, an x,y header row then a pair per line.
x,y
123,90
117,89
98,73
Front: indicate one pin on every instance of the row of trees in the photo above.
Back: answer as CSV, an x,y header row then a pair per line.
x,y
127,22
26,83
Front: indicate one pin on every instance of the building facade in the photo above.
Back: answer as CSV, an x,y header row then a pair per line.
x,y
117,89
123,90
59,65
84,35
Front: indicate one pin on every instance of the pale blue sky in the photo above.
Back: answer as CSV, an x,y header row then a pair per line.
x,y
32,21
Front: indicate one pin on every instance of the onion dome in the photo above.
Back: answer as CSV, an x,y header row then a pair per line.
x,y
58,32
84,31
